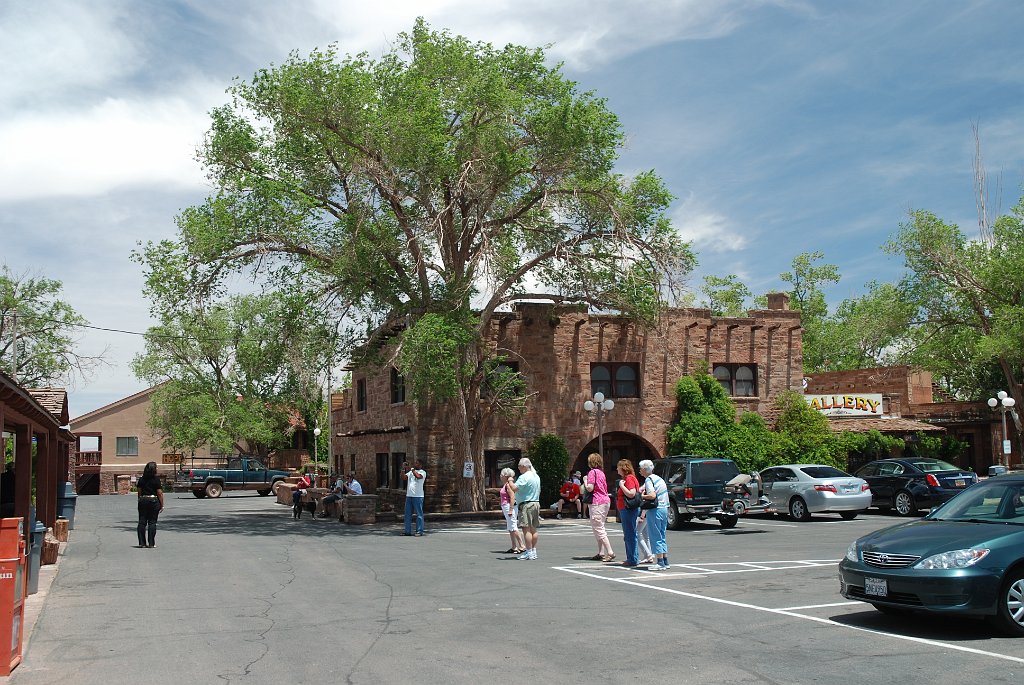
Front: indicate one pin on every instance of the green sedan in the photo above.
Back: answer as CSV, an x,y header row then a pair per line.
x,y
965,557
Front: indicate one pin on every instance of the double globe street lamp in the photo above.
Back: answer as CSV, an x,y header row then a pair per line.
x,y
599,406
1004,403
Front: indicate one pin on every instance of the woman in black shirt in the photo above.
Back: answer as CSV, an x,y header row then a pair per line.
x,y
151,503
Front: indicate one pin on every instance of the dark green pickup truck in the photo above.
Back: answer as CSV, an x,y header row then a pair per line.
x,y
242,473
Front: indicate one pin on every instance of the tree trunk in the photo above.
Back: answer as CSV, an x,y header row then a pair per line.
x,y
471,490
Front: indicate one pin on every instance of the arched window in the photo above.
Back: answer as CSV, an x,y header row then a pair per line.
x,y
600,379
745,382
625,381
723,375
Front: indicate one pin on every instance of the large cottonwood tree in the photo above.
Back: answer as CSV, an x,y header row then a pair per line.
x,y
420,192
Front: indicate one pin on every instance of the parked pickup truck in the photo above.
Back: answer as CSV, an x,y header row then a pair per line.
x,y
242,473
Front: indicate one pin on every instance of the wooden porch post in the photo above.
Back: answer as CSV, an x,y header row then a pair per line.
x,y
22,471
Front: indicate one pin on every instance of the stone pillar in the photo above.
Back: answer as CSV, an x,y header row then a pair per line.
x,y
360,509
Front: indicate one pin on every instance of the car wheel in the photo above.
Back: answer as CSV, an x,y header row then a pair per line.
x,y
904,503
199,494
798,510
275,487
214,489
728,520
1010,612
674,519
849,515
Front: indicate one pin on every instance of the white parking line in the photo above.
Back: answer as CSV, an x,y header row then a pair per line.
x,y
790,613
821,606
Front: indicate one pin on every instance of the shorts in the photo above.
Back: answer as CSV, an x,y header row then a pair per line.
x,y
529,515
511,517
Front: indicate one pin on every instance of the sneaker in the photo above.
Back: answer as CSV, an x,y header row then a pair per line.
x,y
524,556
579,516
533,555
558,516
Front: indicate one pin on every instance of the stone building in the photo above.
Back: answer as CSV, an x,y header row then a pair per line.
x,y
912,402
566,355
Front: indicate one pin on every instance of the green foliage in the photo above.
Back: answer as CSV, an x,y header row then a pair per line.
x,y
725,296
550,460
234,374
868,446
31,309
432,356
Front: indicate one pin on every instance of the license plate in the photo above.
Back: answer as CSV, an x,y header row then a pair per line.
x,y
877,587
960,482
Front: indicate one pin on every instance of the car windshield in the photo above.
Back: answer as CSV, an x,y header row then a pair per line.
x,y
711,471
934,465
824,472
999,502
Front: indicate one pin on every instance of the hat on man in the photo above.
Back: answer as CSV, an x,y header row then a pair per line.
x,y
577,473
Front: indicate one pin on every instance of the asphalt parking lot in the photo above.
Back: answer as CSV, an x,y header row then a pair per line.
x,y
239,592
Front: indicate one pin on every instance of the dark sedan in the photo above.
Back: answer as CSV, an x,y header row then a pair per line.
x,y
965,557
908,485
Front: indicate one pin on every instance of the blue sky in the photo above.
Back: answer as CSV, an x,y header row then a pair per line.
x,y
781,127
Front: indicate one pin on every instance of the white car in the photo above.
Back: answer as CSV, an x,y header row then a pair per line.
x,y
805,489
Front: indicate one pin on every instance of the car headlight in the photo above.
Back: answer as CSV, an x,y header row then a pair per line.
x,y
851,552
961,558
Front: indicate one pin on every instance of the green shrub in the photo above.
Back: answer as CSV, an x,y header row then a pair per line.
x,y
550,460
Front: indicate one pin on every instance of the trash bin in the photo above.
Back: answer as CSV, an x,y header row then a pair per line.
x,y
66,504
38,531
996,470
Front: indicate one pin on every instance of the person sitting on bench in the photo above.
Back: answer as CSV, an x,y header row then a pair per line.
x,y
343,486
569,492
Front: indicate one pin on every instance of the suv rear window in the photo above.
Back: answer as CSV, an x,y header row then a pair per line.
x,y
712,471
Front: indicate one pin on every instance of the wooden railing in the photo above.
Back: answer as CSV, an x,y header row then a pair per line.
x,y
89,458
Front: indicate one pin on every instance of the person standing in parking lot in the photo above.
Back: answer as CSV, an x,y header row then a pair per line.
x,y
627,487
596,483
655,490
151,503
414,479
527,492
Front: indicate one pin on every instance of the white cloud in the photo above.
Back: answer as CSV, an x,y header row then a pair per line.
x,y
708,230
48,47
115,143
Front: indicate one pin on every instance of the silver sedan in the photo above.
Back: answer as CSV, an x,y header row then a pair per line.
x,y
805,489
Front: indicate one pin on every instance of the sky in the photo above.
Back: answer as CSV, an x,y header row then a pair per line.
x,y
780,126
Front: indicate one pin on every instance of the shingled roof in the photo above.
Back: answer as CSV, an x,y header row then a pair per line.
x,y
53,400
893,425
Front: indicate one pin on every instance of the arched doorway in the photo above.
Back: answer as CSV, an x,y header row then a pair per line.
x,y
618,445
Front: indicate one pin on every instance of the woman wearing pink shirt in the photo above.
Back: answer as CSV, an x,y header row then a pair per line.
x,y
596,483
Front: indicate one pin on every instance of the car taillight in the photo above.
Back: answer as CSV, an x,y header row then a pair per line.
x,y
190,474
865,487
828,487
687,493
932,480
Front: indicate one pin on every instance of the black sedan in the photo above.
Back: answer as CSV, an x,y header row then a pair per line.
x,y
965,557
908,485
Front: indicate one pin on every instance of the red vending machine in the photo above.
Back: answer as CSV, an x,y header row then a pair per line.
x,y
12,592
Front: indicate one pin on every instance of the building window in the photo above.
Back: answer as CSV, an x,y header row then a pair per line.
x,y
397,387
397,459
615,379
382,471
127,447
738,380
361,394
495,461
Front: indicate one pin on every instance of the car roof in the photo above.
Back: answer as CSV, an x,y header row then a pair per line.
x,y
693,457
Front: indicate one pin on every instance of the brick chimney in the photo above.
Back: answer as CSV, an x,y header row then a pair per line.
x,y
778,301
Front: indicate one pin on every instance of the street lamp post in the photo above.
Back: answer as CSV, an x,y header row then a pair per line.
x,y
316,461
1004,403
599,406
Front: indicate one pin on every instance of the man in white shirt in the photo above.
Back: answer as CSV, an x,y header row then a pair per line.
x,y
414,479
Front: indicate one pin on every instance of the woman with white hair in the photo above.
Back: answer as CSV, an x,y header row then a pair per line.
x,y
508,508
655,490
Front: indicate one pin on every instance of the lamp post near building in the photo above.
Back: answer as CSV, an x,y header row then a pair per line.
x,y
1004,403
316,464
599,406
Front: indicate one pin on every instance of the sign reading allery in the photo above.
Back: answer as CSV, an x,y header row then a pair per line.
x,y
861,404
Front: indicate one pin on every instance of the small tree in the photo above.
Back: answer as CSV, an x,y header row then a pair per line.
x,y
550,460
804,435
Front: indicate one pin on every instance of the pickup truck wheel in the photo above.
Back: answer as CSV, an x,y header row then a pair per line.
x,y
275,487
798,510
674,520
199,494
214,489
728,520
263,493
